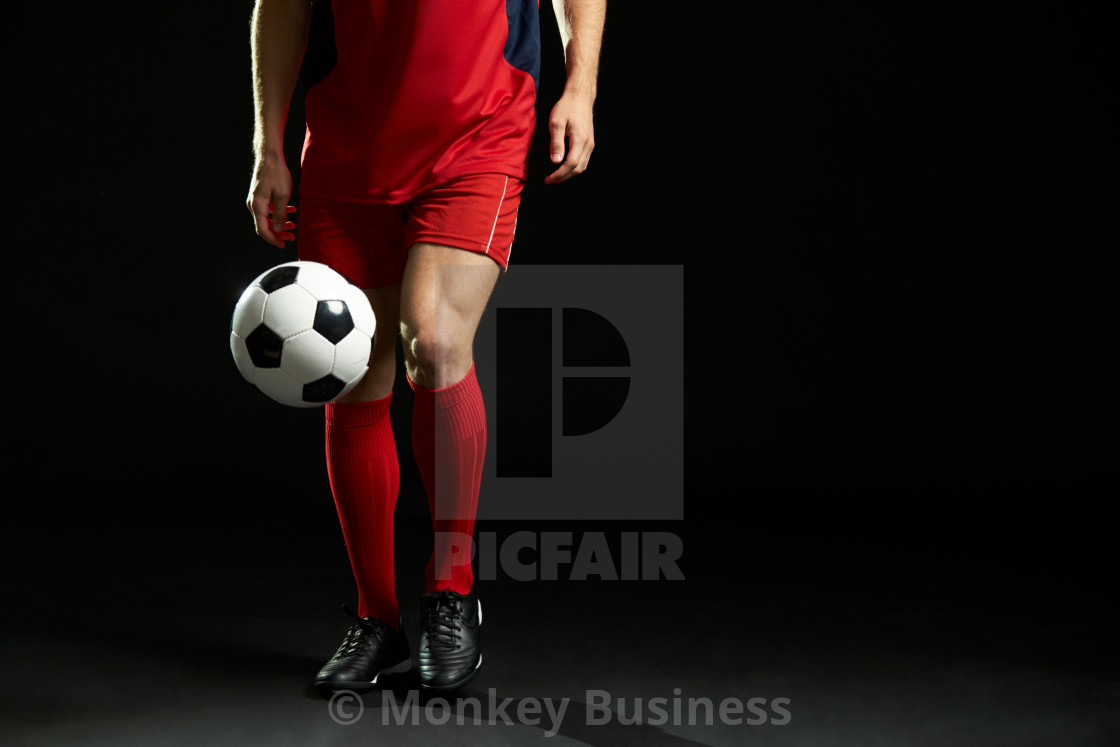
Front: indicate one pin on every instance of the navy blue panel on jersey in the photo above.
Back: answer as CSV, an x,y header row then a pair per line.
x,y
523,46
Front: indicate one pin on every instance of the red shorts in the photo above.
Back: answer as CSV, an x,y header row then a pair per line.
x,y
368,243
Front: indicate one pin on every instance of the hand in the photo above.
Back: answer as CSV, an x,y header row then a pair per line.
x,y
271,186
571,121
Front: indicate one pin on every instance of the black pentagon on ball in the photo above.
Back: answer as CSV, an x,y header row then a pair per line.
x,y
264,347
332,320
278,277
324,389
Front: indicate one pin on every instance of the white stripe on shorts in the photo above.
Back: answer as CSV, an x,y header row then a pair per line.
x,y
497,215
509,252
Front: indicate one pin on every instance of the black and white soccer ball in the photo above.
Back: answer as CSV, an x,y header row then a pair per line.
x,y
302,334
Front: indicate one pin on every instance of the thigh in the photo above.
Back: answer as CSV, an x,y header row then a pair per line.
x,y
443,295
446,286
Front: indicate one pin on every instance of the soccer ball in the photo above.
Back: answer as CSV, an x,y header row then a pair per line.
x,y
302,334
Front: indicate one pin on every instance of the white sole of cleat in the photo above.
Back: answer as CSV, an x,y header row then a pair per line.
x,y
404,666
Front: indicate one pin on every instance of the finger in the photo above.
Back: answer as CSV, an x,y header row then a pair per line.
x,y
284,232
580,152
261,209
557,131
586,160
565,172
574,164
278,217
584,142
561,174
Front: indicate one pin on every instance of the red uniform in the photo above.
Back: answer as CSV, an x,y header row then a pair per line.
x,y
419,118
421,92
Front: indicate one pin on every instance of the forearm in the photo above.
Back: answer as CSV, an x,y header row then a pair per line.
x,y
581,31
278,38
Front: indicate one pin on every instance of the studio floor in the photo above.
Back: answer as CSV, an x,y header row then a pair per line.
x,y
212,636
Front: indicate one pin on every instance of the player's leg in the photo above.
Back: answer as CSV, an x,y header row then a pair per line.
x,y
445,291
362,465
361,453
444,294
459,237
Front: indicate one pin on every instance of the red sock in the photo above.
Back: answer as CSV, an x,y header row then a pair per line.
x,y
449,443
365,475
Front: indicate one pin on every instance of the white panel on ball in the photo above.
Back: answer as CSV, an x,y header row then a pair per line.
x,y
307,357
321,281
351,355
289,310
360,310
280,386
249,311
241,356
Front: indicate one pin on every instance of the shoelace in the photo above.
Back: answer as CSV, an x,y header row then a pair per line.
x,y
442,622
358,637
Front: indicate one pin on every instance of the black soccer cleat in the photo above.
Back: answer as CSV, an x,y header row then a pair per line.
x,y
370,649
450,647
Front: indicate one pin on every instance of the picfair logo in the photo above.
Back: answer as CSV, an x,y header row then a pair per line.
x,y
523,409
582,373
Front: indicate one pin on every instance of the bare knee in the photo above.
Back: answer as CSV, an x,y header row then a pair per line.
x,y
435,358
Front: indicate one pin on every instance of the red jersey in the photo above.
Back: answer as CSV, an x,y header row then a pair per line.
x,y
403,95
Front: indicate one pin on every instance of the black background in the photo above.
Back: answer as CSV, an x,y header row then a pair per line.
x,y
897,227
